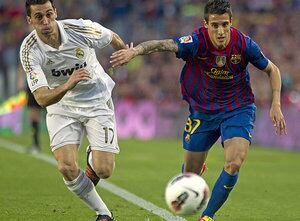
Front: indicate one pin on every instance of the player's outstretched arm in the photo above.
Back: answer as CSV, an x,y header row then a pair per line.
x,y
122,57
46,96
275,111
117,43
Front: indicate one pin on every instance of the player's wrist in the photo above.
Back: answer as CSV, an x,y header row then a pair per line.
x,y
67,86
135,51
276,104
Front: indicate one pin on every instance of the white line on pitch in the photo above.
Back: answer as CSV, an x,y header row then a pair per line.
x,y
130,197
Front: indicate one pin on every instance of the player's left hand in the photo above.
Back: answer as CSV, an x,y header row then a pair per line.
x,y
278,119
122,56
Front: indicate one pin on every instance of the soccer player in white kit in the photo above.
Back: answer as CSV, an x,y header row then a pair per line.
x,y
65,76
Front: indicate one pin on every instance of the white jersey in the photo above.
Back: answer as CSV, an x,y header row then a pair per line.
x,y
47,66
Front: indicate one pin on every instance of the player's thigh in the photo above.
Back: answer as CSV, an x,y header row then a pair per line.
x,y
67,154
66,157
63,130
102,135
103,162
196,147
236,147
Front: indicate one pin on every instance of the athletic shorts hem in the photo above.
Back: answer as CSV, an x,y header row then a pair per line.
x,y
53,148
106,149
227,138
194,150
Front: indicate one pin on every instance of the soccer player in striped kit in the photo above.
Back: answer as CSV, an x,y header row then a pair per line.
x,y
64,75
215,82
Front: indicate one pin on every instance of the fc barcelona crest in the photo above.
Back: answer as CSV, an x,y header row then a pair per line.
x,y
187,138
221,61
235,58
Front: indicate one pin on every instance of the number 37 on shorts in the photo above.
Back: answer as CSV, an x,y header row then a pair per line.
x,y
192,125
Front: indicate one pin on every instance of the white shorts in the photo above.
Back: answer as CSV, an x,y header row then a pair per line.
x,y
100,130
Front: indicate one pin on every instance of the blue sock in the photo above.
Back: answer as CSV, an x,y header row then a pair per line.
x,y
220,192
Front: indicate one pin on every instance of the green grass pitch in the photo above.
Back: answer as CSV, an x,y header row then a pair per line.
x,y
31,189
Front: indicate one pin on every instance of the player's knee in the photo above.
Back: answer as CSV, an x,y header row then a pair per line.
x,y
104,171
232,167
68,170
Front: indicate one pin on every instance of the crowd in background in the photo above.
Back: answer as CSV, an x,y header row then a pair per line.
x,y
273,24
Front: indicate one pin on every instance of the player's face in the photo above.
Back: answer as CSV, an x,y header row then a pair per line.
x,y
42,18
218,27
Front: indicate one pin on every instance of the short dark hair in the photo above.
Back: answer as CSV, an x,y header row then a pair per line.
x,y
218,7
35,2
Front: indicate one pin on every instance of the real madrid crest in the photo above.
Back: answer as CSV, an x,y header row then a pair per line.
x,y
235,58
221,61
79,53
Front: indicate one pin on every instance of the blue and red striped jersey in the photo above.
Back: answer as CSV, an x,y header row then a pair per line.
x,y
214,80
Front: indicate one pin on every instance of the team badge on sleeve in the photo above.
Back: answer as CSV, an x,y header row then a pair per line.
x,y
33,78
186,39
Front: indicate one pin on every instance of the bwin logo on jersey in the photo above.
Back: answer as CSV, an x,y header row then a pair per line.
x,y
67,71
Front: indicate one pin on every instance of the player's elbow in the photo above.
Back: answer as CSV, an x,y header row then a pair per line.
x,y
272,69
45,103
275,69
42,104
41,97
41,101
117,43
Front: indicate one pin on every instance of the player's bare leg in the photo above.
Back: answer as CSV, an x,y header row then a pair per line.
x,y
235,153
194,161
103,163
76,180
236,150
100,164
66,157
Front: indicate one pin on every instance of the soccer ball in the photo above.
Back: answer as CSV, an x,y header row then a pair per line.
x,y
186,194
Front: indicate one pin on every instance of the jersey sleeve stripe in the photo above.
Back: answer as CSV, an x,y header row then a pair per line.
x,y
25,53
84,30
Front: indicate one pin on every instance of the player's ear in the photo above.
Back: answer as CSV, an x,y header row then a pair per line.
x,y
205,23
28,20
55,13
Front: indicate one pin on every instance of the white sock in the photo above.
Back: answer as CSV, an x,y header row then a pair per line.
x,y
83,187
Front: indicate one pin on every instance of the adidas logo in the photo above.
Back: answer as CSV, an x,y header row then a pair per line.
x,y
49,62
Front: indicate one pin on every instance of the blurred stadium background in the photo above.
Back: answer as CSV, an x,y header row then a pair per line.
x,y
150,84
149,107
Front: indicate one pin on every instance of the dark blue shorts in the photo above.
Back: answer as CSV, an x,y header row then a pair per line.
x,y
203,130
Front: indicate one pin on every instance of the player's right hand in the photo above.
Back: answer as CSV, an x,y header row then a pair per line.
x,y
278,119
123,56
77,76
